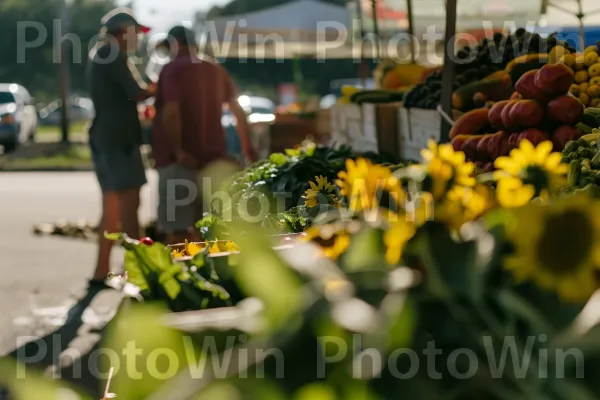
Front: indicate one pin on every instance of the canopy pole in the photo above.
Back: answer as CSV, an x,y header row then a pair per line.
x,y
376,28
448,70
362,68
411,30
580,17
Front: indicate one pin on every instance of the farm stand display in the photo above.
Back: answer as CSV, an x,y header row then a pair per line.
x,y
485,73
539,110
500,267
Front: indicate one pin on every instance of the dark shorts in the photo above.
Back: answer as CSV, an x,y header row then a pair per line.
x,y
119,170
180,203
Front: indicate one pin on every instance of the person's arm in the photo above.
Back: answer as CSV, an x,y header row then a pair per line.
x,y
128,78
242,126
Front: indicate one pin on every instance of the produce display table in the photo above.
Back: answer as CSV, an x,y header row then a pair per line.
x,y
366,127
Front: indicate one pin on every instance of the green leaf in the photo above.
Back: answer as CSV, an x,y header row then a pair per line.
x,y
156,258
135,274
220,391
454,261
144,351
199,260
25,383
316,391
113,236
366,251
278,159
169,283
403,325
261,273
526,311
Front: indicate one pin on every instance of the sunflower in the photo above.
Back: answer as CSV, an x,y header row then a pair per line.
x,y
529,172
557,245
445,168
334,239
395,239
464,204
322,189
366,184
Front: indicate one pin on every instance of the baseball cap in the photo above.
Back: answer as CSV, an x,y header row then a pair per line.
x,y
120,18
181,34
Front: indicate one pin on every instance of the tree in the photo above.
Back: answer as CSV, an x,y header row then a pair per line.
x,y
22,22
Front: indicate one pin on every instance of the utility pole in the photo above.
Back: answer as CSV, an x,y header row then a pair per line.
x,y
64,72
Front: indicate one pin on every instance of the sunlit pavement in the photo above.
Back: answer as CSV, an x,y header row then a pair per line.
x,y
57,268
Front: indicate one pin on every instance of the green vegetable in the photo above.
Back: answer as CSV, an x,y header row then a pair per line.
x,y
574,172
570,147
596,161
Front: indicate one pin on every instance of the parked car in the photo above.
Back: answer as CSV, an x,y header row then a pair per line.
x,y
18,116
81,109
261,113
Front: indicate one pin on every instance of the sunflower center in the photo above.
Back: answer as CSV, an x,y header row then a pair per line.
x,y
537,177
566,242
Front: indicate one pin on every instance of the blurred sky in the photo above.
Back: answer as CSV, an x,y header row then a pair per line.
x,y
160,15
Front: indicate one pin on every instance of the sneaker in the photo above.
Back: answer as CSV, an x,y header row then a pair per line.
x,y
98,285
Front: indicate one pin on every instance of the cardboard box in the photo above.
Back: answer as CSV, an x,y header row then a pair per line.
x,y
417,126
367,127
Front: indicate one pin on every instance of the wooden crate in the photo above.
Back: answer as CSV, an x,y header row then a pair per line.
x,y
388,127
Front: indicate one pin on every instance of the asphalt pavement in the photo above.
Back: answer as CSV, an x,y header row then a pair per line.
x,y
42,276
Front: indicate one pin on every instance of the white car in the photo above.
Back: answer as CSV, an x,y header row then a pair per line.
x,y
18,116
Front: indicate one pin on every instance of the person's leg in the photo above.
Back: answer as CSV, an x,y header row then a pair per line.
x,y
129,204
177,194
109,223
130,176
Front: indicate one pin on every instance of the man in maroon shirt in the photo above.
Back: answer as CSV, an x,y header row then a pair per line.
x,y
187,131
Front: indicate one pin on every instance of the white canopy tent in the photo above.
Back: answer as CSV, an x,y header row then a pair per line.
x,y
315,28
582,11
298,28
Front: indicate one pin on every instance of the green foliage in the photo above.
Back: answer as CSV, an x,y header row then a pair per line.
x,y
38,73
153,270
284,178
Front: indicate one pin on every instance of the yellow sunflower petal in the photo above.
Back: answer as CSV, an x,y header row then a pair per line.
x,y
528,150
542,151
507,164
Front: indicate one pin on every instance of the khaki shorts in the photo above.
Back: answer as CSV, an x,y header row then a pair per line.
x,y
179,199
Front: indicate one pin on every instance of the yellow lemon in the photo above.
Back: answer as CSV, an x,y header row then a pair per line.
x,y
579,63
590,58
594,70
584,99
556,54
595,80
574,89
593,91
581,76
590,49
595,102
583,87
568,60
